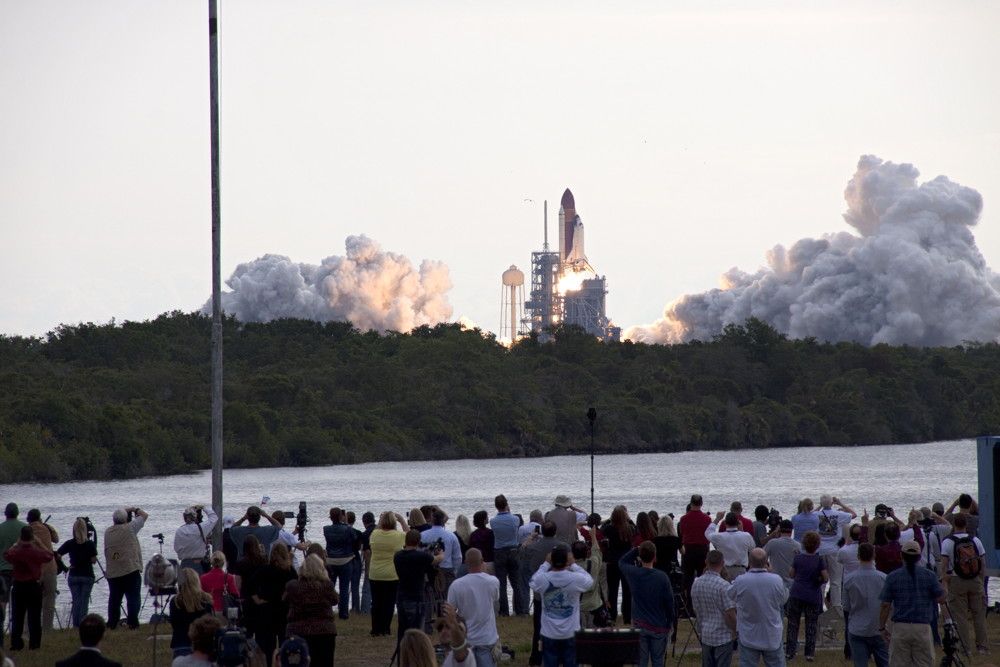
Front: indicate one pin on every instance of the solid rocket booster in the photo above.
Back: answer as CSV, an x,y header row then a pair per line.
x,y
567,222
576,252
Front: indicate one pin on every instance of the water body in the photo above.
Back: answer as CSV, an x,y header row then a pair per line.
x,y
902,476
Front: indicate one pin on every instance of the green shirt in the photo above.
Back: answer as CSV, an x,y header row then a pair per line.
x,y
10,533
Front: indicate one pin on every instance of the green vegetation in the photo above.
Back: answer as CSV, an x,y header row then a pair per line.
x,y
132,399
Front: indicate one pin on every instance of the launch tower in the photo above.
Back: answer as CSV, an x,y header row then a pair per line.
x,y
565,288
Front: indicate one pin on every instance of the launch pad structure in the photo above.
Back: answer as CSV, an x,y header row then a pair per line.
x,y
565,288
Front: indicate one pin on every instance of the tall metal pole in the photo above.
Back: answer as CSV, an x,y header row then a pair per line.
x,y
213,78
592,416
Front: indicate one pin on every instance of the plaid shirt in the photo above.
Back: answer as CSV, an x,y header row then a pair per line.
x,y
711,597
912,597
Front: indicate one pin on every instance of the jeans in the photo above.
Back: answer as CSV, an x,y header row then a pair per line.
x,y
356,584
751,657
410,614
652,648
27,601
79,590
366,596
484,656
128,586
506,567
796,608
614,579
341,574
536,633
717,656
556,652
863,647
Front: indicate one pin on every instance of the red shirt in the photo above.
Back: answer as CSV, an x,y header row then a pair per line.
x,y
693,525
27,560
746,525
216,581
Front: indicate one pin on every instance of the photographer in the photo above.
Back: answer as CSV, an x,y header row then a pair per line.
x,y
82,556
413,567
190,540
124,564
46,536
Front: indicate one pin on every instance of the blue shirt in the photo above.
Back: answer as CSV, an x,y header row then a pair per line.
x,y
652,596
804,522
912,596
861,600
340,540
452,550
504,526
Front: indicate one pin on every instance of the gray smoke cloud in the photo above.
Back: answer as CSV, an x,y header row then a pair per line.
x,y
370,287
911,275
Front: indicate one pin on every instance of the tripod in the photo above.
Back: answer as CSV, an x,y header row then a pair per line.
x,y
682,607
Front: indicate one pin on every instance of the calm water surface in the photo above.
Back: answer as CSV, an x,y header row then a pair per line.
x,y
902,476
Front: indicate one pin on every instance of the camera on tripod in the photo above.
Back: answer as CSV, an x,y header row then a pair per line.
x,y
301,519
773,519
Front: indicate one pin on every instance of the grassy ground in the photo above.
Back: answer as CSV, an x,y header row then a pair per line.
x,y
356,649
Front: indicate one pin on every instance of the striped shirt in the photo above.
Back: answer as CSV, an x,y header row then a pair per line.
x,y
711,597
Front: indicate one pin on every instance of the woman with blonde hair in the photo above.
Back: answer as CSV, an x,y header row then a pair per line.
x,y
310,600
463,531
668,544
217,582
417,520
806,520
190,604
384,542
416,650
82,556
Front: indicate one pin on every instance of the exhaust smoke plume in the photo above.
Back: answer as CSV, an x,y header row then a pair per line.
x,y
371,288
913,276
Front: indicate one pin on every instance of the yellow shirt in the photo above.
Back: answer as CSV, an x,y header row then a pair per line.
x,y
384,545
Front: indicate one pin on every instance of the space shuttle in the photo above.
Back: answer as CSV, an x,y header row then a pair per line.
x,y
571,250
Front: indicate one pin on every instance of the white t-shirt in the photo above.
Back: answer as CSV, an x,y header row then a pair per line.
x,y
847,556
948,549
735,545
560,592
831,528
449,660
476,596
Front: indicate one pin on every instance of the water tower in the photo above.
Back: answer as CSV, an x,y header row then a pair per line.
x,y
511,302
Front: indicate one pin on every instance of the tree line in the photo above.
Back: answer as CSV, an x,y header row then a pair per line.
x,y
119,400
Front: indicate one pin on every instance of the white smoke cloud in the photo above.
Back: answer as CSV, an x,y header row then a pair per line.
x,y
913,276
370,287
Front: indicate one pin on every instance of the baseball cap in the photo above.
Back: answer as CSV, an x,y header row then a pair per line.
x,y
911,547
294,651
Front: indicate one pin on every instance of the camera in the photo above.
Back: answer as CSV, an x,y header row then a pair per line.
x,y
91,531
199,515
301,519
773,519
883,511
436,547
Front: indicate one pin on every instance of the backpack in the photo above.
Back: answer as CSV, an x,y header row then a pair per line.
x,y
967,564
828,524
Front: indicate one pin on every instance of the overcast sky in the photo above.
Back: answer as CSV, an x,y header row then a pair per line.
x,y
693,139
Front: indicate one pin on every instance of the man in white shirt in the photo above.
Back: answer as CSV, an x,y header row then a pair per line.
x,y
963,574
290,540
833,525
734,543
559,582
476,597
760,599
190,539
